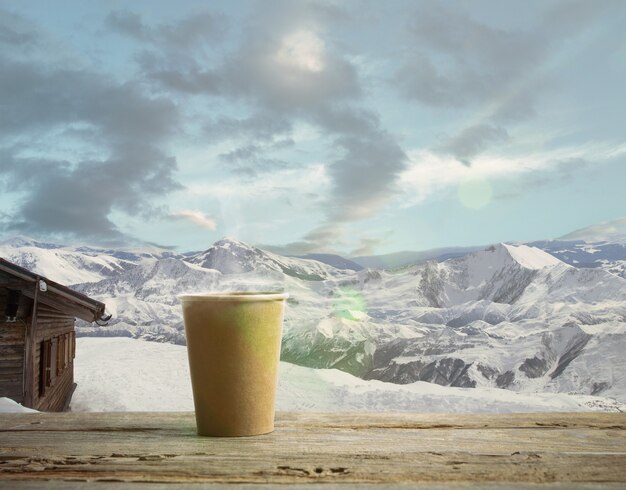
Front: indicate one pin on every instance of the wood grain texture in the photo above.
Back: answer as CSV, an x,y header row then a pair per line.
x,y
585,450
331,448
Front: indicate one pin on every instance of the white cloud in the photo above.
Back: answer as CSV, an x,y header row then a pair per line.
x,y
196,217
294,181
430,172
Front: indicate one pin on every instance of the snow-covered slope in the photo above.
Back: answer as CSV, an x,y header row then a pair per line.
x,y
160,382
71,265
11,406
337,261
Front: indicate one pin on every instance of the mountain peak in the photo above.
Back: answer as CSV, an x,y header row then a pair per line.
x,y
228,242
527,257
530,257
229,256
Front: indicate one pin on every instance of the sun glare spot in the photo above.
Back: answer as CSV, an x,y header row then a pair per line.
x,y
474,193
302,50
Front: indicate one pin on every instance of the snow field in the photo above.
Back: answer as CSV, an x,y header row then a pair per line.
x,y
122,374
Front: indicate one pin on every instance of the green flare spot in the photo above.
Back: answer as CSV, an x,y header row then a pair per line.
x,y
347,302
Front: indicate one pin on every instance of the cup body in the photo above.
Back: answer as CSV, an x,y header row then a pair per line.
x,y
233,346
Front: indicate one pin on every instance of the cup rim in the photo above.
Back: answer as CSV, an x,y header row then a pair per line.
x,y
234,296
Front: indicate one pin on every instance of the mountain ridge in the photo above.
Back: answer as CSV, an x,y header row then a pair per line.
x,y
506,316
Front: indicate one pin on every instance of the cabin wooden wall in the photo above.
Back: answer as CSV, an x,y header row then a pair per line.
x,y
51,325
58,328
12,349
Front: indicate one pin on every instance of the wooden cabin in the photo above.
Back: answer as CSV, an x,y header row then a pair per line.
x,y
38,337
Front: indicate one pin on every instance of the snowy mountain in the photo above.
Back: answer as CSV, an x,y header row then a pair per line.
x,y
231,256
337,261
609,256
71,265
401,259
508,316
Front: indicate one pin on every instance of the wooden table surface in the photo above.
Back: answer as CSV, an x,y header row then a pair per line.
x,y
338,450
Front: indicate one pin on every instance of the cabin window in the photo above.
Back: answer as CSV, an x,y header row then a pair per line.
x,y
58,368
63,353
60,356
68,343
73,336
45,361
53,359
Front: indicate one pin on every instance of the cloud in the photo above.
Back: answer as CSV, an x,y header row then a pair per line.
x,y
364,178
248,160
193,30
288,69
257,127
459,61
323,239
262,72
556,172
471,141
367,246
328,238
196,217
16,31
432,172
119,162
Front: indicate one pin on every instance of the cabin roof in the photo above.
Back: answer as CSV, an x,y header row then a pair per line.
x,y
56,295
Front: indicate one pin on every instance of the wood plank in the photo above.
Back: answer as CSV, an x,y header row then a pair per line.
x,y
343,420
13,284
11,333
56,322
316,448
12,390
115,485
12,353
53,323
56,396
11,378
10,373
10,364
57,302
7,350
55,317
45,332
50,313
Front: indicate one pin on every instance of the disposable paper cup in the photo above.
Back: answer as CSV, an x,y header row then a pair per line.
x,y
233,345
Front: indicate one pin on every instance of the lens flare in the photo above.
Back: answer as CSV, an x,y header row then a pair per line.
x,y
349,304
474,193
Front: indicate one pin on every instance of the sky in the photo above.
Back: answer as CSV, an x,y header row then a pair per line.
x,y
352,127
